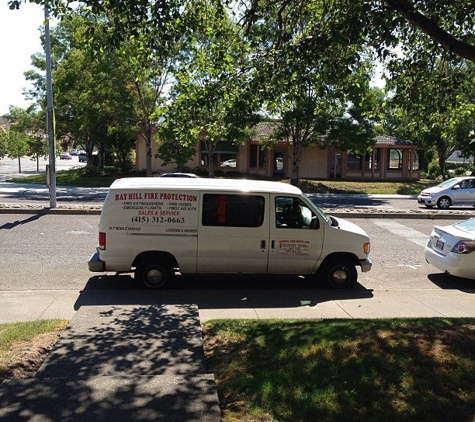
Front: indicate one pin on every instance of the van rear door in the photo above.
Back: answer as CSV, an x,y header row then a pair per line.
x,y
233,233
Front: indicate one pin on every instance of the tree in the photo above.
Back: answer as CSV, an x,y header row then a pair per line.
x,y
211,100
384,24
25,135
16,142
436,97
95,102
318,95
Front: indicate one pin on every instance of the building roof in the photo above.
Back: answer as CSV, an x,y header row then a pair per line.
x,y
263,130
391,141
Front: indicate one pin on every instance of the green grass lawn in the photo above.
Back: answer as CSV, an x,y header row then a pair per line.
x,y
343,370
87,178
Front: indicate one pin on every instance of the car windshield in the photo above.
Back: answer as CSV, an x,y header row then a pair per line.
x,y
448,183
467,226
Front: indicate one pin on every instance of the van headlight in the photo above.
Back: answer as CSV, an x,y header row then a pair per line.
x,y
366,248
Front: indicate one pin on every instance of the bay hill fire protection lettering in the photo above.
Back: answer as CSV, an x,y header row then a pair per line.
x,y
131,196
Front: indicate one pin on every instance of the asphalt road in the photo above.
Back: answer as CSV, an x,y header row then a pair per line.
x,y
50,252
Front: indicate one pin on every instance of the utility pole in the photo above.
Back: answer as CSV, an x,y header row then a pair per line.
x,y
50,115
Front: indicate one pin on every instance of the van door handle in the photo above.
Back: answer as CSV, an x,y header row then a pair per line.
x,y
263,244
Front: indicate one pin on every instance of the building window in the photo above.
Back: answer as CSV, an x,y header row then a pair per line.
x,y
369,164
354,161
415,161
224,210
224,154
257,157
395,159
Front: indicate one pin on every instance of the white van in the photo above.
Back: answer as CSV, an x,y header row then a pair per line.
x,y
157,226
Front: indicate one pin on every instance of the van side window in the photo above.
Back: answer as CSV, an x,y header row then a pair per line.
x,y
226,210
292,213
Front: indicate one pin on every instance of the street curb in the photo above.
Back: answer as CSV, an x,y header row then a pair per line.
x,y
53,211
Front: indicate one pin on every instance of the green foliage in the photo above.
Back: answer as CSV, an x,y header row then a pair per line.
x,y
211,101
306,62
433,170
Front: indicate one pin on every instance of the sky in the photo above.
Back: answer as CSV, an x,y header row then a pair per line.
x,y
19,38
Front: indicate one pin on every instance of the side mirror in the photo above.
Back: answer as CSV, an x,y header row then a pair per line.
x,y
315,223
456,187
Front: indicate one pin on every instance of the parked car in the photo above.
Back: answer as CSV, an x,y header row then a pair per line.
x,y
74,152
229,163
452,249
179,175
82,156
456,191
65,156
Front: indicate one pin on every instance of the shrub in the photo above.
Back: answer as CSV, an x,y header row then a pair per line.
x,y
433,170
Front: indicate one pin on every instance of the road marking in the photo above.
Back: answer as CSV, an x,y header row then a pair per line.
x,y
399,229
412,267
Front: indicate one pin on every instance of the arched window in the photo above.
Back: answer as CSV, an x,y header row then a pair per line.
x,y
395,159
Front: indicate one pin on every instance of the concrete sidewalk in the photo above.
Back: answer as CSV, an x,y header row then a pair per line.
x,y
252,303
120,363
138,355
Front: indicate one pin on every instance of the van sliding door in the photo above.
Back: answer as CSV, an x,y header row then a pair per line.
x,y
233,233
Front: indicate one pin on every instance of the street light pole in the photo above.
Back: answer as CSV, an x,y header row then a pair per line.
x,y
50,115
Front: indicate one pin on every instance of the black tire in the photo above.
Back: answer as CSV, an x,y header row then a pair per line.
x,y
154,275
444,203
339,273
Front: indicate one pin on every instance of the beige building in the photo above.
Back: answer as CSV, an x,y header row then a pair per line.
x,y
389,159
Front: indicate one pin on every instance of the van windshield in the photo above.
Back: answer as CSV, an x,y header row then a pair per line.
x,y
319,212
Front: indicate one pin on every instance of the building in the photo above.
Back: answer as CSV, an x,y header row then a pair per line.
x,y
389,159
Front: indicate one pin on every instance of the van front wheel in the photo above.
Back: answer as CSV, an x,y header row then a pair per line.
x,y
153,275
339,273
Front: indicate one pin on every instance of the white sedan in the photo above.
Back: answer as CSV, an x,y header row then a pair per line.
x,y
452,249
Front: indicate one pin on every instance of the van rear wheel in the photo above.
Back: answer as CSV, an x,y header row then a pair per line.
x,y
154,275
339,273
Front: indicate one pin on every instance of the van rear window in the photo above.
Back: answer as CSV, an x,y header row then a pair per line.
x,y
226,210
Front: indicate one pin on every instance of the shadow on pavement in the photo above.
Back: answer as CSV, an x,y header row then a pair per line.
x,y
449,282
9,226
120,364
216,292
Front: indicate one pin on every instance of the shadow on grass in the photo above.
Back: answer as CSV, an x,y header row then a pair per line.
x,y
352,370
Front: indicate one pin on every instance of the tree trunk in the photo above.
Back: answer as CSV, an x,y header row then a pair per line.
x,y
442,165
210,164
294,178
148,149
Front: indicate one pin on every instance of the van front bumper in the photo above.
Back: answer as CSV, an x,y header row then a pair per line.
x,y
366,265
95,264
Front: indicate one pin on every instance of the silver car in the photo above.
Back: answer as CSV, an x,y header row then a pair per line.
x,y
456,191
451,249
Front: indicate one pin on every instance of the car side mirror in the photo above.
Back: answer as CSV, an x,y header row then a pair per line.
x,y
315,223
456,187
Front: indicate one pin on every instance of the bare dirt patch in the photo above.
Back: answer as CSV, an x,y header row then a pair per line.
x,y
25,357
